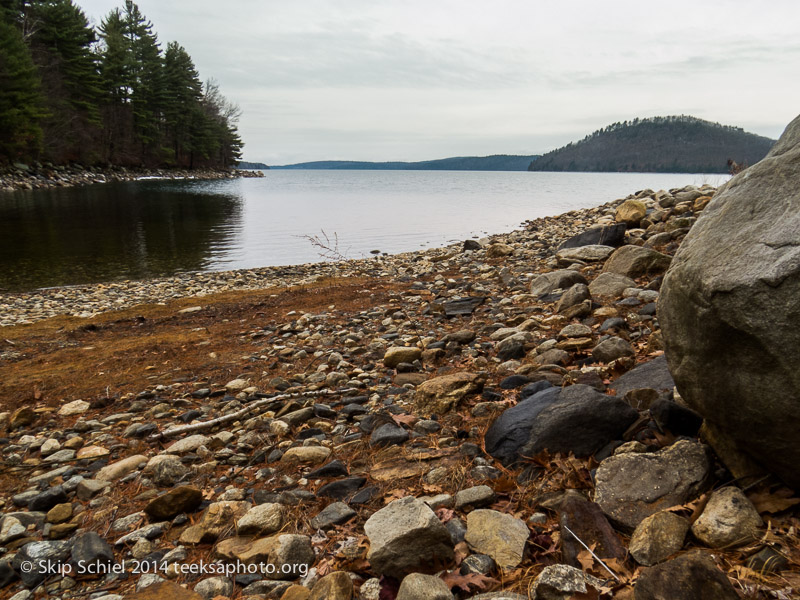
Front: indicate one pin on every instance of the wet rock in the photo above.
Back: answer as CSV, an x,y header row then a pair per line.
x,y
418,586
581,421
261,520
333,514
549,282
688,577
658,537
729,519
635,261
632,486
562,582
586,521
406,536
511,430
439,395
498,535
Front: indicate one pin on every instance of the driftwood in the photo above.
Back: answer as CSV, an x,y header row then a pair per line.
x,y
235,416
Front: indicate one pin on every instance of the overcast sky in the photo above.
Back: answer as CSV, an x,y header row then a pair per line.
x,y
417,80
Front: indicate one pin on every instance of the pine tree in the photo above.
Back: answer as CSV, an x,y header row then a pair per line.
x,y
182,104
21,102
62,46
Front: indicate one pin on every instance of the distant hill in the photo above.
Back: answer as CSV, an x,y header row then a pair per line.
x,y
498,162
676,144
252,165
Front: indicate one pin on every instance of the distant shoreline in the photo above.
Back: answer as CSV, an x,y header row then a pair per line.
x,y
21,177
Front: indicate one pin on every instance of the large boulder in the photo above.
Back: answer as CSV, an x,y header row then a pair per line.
x,y
582,421
635,261
729,309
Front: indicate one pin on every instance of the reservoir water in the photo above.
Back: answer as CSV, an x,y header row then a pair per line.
x,y
151,228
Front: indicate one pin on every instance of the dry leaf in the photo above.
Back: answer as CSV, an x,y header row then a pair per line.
x,y
477,581
586,559
405,419
775,502
444,514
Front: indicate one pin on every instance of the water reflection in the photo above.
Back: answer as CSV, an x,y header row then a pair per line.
x,y
114,231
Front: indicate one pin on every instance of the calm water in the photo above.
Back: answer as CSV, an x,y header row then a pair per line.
x,y
150,228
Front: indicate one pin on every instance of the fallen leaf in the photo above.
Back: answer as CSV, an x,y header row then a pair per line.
x,y
478,581
405,419
586,559
774,502
444,514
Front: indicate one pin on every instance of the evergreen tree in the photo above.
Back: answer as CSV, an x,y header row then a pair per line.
x,y
62,47
21,102
182,109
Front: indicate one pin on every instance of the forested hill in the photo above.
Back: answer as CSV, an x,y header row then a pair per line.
x,y
676,144
70,92
498,162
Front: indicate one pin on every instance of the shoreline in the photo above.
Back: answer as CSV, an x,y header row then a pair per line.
x,y
21,177
89,300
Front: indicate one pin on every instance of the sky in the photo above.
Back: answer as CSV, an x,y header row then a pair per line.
x,y
414,80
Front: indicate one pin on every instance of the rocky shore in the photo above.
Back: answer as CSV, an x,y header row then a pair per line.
x,y
21,176
490,420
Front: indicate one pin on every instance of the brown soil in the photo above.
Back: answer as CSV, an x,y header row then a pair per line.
x,y
68,358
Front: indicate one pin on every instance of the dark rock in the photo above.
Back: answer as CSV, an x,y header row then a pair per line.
x,y
513,381
613,323
342,488
333,514
457,530
90,549
768,560
44,557
534,388
182,499
581,421
511,430
48,499
388,435
654,375
511,348
335,468
478,563
671,416
7,573
573,296
586,521
471,245
465,307
689,577
364,496
610,235
611,349
729,314
323,411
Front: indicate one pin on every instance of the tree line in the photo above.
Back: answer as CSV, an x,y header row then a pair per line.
x,y
673,144
109,95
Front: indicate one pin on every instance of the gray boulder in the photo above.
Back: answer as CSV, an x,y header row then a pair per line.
x,y
729,310
635,261
582,421
688,577
610,284
406,536
632,486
